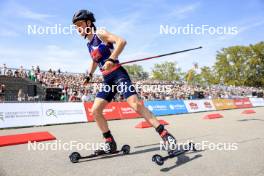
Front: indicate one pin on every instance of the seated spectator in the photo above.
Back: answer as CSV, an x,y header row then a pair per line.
x,y
73,97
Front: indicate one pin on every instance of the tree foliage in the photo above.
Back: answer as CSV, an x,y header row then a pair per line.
x,y
167,71
136,71
241,65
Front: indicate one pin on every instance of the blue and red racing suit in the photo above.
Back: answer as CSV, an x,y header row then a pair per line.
x,y
116,79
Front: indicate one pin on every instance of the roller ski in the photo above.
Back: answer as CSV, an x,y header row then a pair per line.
x,y
109,149
171,146
159,160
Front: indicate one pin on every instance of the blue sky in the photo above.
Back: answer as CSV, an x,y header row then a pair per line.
x,y
136,21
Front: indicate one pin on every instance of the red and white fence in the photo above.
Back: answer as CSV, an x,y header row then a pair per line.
x,y
36,114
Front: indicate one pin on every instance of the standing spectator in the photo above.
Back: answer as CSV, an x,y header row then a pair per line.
x,y
16,73
2,92
21,95
37,70
32,74
64,97
3,69
86,97
9,73
21,72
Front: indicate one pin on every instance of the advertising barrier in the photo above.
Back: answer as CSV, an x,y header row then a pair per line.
x,y
114,110
56,113
257,101
166,107
110,112
35,114
221,104
199,105
126,112
242,103
20,114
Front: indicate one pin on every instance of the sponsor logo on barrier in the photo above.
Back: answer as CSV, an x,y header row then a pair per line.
x,y
208,105
31,114
221,104
106,110
199,105
51,113
166,107
22,114
242,103
257,101
127,110
59,113
111,111
177,106
157,107
2,116
150,108
193,105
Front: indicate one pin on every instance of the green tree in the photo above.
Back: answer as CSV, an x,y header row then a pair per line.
x,y
241,65
231,65
166,71
192,77
136,71
208,76
255,65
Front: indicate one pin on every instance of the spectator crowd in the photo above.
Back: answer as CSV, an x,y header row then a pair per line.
x,y
73,89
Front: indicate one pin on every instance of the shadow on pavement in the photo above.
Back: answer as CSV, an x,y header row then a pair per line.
x,y
182,159
245,120
120,154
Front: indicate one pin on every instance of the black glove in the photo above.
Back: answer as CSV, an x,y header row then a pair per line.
x,y
87,78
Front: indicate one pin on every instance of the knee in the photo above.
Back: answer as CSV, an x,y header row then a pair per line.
x,y
138,107
96,112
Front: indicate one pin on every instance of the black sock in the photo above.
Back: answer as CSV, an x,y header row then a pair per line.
x,y
160,129
107,135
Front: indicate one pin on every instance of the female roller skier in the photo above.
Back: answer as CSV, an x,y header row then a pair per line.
x,y
101,48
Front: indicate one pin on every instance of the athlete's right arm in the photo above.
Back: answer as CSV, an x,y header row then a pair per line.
x,y
91,71
93,67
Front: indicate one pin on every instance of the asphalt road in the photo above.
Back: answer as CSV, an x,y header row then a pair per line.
x,y
244,133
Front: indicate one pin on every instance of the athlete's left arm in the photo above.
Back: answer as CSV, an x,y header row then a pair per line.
x,y
119,42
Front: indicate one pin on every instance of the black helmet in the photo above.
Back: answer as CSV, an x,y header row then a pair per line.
x,y
83,15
